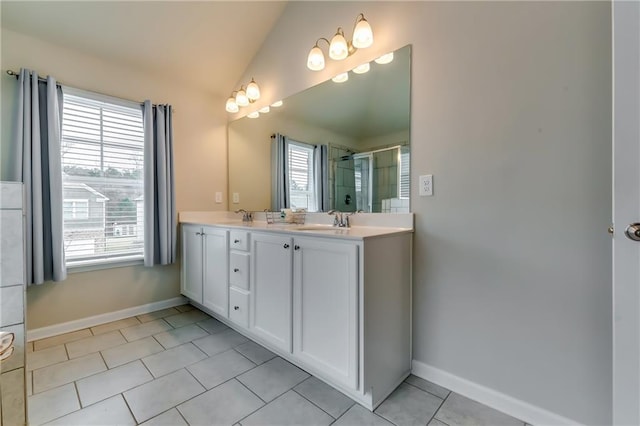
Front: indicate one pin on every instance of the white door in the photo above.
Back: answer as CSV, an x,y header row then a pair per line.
x,y
271,281
191,279
626,211
215,287
325,307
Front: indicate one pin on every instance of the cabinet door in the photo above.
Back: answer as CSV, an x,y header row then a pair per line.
x,y
325,307
215,288
191,282
271,281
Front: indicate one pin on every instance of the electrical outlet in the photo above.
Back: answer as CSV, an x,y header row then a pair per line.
x,y
236,198
218,197
426,185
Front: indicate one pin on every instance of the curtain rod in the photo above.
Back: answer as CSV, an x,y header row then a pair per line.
x,y
58,84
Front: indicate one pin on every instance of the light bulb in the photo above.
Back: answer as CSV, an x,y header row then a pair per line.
x,y
231,105
338,49
315,61
341,78
277,104
361,69
385,59
254,114
264,110
362,34
241,98
253,90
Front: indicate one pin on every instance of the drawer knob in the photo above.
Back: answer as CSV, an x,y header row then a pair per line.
x,y
235,308
286,246
236,270
296,247
236,241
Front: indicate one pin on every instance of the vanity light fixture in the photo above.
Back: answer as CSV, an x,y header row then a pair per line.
x,y
362,68
277,104
242,97
339,47
385,59
264,110
254,114
341,78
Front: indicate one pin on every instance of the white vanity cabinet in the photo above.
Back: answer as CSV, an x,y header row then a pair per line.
x,y
271,288
325,307
204,267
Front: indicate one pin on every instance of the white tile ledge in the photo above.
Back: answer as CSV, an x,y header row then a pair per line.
x,y
514,407
79,324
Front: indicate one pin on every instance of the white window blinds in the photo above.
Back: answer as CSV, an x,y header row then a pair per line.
x,y
404,189
301,176
103,171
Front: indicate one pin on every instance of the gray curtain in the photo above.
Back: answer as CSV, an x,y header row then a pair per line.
x,y
280,174
38,165
320,158
160,228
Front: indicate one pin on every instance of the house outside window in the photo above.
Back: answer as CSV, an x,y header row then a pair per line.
x,y
103,172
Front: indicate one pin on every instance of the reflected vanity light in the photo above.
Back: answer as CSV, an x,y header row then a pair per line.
x,y
339,47
341,78
231,105
264,110
254,114
277,104
385,59
253,91
242,97
362,68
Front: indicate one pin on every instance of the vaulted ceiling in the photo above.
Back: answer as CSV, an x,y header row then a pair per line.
x,y
207,43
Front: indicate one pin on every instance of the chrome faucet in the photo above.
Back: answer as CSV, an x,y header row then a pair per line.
x,y
246,216
341,220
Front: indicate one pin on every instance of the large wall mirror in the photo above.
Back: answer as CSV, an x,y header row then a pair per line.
x,y
343,146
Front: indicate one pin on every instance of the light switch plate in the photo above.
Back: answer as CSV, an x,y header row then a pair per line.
x,y
218,197
236,197
426,185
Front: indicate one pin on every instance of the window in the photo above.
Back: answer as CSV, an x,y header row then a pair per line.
x,y
302,191
102,165
404,188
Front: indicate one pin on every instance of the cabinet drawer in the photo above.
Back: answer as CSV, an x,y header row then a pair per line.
x,y
239,270
239,307
239,240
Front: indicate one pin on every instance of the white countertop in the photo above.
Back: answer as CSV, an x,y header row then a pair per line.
x,y
317,224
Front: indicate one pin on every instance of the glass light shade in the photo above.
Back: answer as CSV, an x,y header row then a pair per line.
x,y
253,90
341,78
254,114
231,105
241,98
277,104
338,48
361,69
315,61
385,59
264,110
362,34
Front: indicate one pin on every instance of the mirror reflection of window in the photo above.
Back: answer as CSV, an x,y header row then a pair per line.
x,y
302,188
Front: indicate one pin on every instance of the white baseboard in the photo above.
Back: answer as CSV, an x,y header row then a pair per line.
x,y
66,327
514,407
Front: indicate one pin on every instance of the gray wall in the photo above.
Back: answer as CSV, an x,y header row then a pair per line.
x,y
511,112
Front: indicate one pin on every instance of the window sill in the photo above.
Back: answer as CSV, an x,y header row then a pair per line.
x,y
98,264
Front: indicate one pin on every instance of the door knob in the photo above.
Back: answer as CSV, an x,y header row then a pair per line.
x,y
633,232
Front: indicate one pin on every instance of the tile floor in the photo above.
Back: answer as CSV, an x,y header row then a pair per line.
x,y
179,366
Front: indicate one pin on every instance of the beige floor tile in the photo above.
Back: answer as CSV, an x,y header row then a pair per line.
x,y
29,380
157,314
12,397
168,418
173,359
459,410
146,329
131,351
272,378
212,325
94,344
185,318
220,368
115,325
113,411
54,403
66,372
324,396
61,339
29,347
408,405
46,357
178,336
111,382
288,409
149,400
220,342
185,308
255,352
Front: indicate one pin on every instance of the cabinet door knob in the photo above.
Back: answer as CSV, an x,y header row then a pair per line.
x,y
197,233
296,247
236,241
236,270
286,246
235,308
